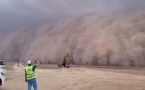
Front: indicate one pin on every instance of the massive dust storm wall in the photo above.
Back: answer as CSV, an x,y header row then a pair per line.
x,y
91,39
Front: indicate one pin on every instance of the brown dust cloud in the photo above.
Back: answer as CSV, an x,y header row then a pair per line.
x,y
91,39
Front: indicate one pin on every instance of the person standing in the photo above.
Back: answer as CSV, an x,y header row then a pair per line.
x,y
30,77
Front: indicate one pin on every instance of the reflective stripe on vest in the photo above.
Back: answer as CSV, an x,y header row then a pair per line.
x,y
30,73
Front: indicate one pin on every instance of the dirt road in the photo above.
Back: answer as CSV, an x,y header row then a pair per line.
x,y
78,78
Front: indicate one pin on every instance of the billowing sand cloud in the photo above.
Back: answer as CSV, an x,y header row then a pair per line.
x,y
25,14
92,39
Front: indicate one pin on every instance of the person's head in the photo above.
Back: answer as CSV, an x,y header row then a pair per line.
x,y
29,62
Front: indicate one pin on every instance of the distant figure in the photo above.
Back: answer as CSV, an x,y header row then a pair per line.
x,y
30,73
18,63
65,62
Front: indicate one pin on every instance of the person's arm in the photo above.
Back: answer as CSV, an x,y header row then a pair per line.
x,y
36,62
25,77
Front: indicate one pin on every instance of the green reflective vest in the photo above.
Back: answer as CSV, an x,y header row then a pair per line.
x,y
30,73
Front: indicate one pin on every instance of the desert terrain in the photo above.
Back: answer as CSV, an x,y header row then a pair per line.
x,y
49,77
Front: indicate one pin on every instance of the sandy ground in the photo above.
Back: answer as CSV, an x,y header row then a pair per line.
x,y
78,78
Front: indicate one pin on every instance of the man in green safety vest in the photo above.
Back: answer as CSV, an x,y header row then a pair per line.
x,y
30,73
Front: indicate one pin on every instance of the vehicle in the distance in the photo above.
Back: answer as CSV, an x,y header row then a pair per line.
x,y
2,72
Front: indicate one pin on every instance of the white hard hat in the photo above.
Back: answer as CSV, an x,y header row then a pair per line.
x,y
29,62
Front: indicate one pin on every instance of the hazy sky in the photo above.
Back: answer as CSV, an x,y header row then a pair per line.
x,y
23,14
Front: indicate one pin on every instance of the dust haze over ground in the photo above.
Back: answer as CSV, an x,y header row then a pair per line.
x,y
98,38
77,78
